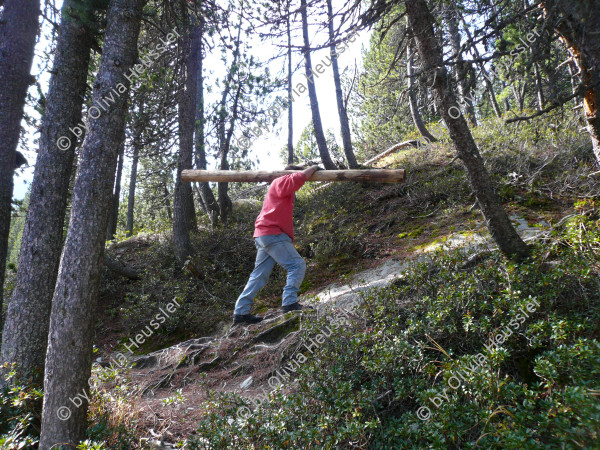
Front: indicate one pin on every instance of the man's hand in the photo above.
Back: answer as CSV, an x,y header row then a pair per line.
x,y
308,172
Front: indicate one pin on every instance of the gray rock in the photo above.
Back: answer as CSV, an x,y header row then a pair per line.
x,y
247,382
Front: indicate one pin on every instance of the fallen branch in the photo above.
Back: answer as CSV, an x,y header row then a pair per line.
x,y
392,149
121,269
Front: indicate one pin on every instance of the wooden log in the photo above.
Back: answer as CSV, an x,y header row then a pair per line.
x,y
251,176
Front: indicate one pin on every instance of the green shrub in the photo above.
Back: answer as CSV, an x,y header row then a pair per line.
x,y
20,416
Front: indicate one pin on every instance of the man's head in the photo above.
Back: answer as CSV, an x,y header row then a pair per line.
x,y
294,167
302,166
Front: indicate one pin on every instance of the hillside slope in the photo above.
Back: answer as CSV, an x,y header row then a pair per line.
x,y
256,359
410,313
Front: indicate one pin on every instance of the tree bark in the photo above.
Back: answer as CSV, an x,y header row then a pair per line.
x,y
290,142
460,72
25,336
486,78
506,101
339,96
312,93
574,82
578,28
114,213
251,176
412,98
224,134
225,203
168,199
206,193
502,231
191,209
183,191
519,93
69,356
131,195
539,87
18,30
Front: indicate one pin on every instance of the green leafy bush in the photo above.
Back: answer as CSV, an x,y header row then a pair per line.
x,y
20,416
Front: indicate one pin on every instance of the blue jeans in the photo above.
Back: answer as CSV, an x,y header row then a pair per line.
x,y
277,248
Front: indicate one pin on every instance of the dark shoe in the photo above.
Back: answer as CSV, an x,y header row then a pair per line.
x,y
295,307
246,318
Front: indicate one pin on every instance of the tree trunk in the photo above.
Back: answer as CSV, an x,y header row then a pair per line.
x,y
539,87
312,93
502,231
183,191
206,193
412,98
342,112
506,101
460,72
69,356
290,142
578,28
114,213
519,93
486,77
225,203
191,209
18,30
168,200
25,336
224,134
574,83
131,196
200,201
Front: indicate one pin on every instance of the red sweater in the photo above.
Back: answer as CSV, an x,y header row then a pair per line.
x,y
278,207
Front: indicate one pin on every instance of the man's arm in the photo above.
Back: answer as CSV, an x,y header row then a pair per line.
x,y
308,172
289,184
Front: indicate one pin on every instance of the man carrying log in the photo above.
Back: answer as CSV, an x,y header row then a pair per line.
x,y
274,230
274,237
